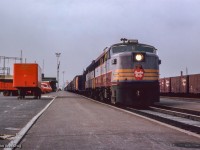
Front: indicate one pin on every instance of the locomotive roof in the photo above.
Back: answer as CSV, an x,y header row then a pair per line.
x,y
119,44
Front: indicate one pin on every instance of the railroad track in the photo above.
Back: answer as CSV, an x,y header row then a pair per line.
x,y
181,118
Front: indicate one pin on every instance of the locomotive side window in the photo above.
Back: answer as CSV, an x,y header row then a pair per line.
x,y
105,57
102,60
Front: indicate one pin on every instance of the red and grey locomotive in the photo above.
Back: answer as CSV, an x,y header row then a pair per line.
x,y
125,73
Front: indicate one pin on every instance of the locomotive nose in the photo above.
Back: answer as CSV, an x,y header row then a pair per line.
x,y
138,93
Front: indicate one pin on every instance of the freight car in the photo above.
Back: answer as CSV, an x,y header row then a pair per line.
x,y
69,87
126,73
77,85
183,86
27,79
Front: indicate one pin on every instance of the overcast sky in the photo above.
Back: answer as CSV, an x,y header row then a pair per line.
x,y
81,29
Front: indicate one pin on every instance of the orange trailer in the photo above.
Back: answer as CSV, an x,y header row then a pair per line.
x,y
6,86
27,77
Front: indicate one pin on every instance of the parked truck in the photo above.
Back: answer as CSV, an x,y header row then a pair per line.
x,y
27,79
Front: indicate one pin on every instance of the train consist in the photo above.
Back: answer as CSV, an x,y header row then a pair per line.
x,y
125,73
183,86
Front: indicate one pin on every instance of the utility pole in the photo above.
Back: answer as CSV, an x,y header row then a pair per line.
x,y
63,79
21,59
186,70
43,67
58,65
4,62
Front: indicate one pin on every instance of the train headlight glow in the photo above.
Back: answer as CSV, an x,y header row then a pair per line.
x,y
139,57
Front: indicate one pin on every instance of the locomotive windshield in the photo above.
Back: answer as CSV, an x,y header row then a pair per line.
x,y
131,48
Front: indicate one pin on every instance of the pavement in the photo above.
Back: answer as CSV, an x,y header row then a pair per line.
x,y
74,122
15,114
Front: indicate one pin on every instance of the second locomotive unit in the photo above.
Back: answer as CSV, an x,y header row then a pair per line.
x,y
125,73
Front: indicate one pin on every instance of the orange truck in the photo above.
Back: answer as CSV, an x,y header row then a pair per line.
x,y
6,86
27,79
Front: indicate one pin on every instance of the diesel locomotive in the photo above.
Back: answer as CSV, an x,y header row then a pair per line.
x,y
125,73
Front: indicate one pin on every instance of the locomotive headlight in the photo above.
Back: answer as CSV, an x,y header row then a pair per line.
x,y
139,57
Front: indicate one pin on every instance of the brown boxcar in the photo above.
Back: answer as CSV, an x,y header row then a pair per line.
x,y
162,85
179,84
165,85
175,84
194,84
184,84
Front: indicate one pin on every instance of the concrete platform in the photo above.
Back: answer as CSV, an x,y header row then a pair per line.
x,y
73,122
178,102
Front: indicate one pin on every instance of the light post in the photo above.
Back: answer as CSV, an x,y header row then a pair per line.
x,y
58,65
63,79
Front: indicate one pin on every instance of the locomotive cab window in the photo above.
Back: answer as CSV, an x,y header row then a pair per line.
x,y
132,48
123,48
101,60
145,48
